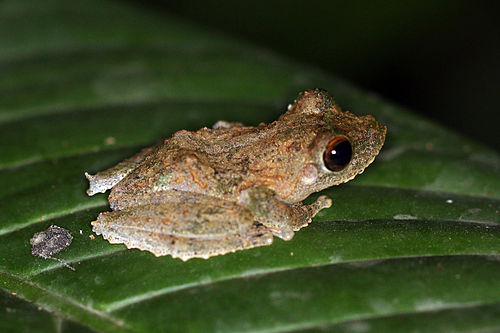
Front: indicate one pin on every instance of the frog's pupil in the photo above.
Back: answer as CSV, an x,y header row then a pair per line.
x,y
337,154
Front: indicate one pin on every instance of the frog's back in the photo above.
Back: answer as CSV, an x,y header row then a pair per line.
x,y
219,162
217,141
241,157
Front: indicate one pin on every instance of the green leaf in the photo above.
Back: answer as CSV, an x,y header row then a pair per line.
x,y
412,244
21,316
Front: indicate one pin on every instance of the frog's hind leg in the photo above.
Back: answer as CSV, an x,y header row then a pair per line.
x,y
198,229
104,180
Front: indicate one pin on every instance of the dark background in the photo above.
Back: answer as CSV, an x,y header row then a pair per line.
x,y
439,58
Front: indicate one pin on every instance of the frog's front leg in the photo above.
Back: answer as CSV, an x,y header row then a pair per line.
x,y
280,217
104,180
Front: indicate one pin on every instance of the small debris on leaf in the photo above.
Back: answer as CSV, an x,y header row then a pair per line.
x,y
109,141
51,241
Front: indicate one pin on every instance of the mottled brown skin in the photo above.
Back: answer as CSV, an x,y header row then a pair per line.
x,y
231,187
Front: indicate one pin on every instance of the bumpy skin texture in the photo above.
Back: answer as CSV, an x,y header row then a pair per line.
x,y
232,187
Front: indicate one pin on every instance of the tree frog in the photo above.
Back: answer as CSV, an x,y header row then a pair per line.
x,y
233,187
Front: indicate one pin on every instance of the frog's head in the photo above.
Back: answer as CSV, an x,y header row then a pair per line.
x,y
343,144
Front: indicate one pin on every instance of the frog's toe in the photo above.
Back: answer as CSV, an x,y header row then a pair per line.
x,y
285,234
92,184
323,202
98,184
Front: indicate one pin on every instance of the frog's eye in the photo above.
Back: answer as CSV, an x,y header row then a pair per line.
x,y
337,153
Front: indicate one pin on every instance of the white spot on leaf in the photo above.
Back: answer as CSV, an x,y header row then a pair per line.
x,y
404,217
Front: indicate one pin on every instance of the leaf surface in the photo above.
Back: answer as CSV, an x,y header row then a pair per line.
x,y
412,242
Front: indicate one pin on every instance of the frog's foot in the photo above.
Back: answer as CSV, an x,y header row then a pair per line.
x,y
98,184
309,211
107,179
322,202
286,232
280,217
184,230
283,233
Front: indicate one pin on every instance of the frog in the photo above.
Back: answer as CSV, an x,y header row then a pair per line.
x,y
231,187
